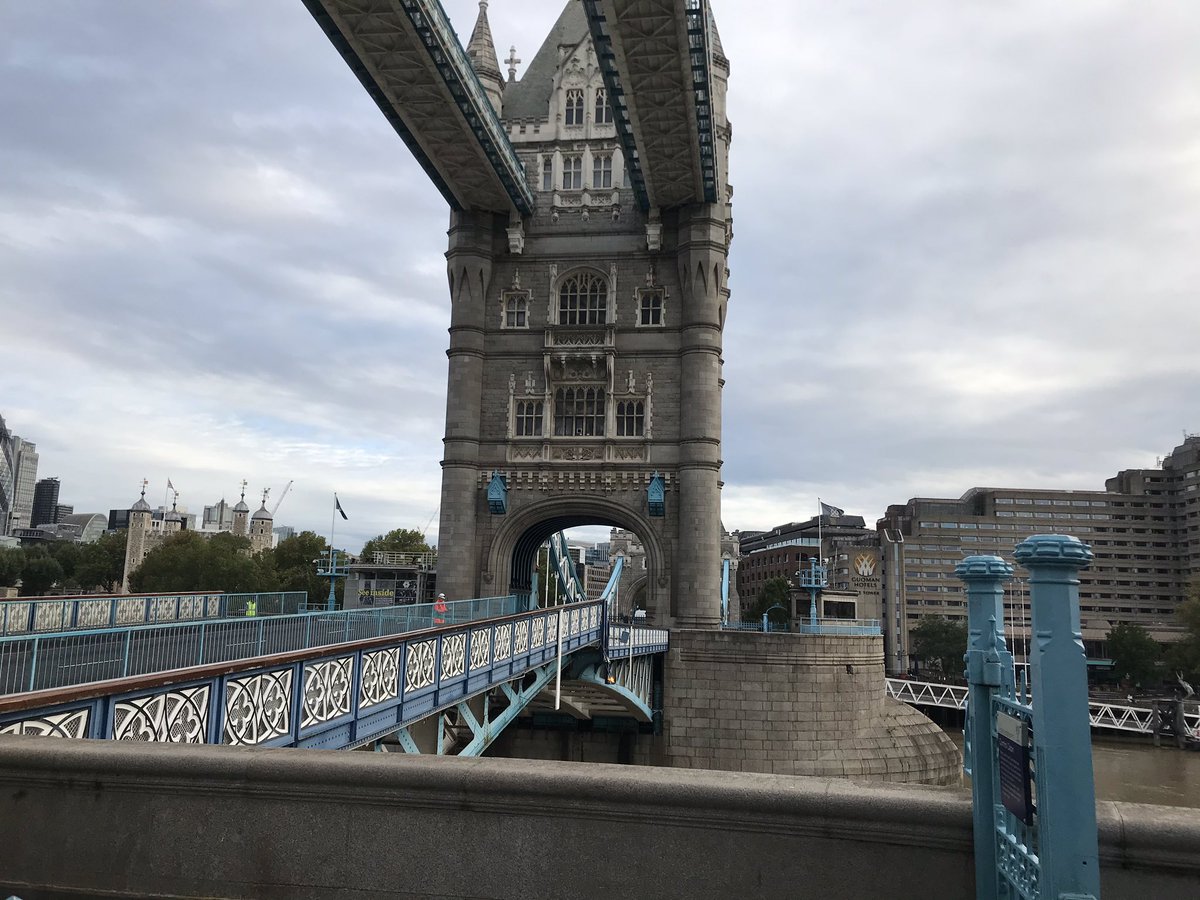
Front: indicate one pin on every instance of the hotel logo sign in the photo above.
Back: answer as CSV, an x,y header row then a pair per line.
x,y
864,568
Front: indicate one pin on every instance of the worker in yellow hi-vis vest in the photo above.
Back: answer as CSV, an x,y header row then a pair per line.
x,y
251,607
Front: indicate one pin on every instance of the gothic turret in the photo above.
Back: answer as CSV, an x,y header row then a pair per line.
x,y
140,516
241,516
482,51
260,528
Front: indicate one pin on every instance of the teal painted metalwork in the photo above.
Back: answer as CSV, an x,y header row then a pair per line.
x,y
814,578
724,592
1023,850
45,615
332,568
497,495
989,669
1067,842
38,662
656,496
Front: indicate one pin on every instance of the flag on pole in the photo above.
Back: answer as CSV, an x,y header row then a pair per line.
x,y
338,505
832,511
170,487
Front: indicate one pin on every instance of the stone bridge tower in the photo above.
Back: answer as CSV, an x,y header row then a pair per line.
x,y
585,340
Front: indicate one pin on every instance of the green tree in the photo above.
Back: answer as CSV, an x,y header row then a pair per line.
x,y
189,562
295,561
1134,653
774,591
40,573
12,561
941,642
67,553
1184,655
399,540
102,562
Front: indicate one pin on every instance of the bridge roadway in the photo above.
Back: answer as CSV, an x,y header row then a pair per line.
x,y
31,662
350,694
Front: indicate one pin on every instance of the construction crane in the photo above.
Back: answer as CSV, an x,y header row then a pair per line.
x,y
282,494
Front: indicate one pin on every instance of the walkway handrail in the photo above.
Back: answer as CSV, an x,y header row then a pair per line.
x,y
340,695
1111,716
41,615
37,662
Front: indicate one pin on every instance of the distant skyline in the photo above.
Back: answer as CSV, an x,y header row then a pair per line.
x,y
965,254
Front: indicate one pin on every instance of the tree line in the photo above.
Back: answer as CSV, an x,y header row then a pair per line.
x,y
187,561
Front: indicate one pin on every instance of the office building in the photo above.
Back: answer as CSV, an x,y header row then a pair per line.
x,y
45,502
1144,529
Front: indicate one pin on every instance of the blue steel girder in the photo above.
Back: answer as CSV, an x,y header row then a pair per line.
x,y
407,56
332,697
656,60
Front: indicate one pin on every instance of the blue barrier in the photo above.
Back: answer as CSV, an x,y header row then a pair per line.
x,y
338,697
39,615
43,661
1030,761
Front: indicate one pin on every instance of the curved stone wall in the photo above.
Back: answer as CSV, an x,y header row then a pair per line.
x,y
794,704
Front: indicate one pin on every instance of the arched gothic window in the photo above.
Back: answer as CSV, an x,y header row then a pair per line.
x,y
528,418
650,306
603,114
575,106
583,300
516,308
579,412
631,418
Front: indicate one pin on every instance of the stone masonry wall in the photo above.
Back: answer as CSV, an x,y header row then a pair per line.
x,y
795,705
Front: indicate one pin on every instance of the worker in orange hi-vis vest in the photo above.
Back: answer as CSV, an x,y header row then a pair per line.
x,y
439,610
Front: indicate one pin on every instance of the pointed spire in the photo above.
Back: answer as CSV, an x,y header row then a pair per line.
x,y
482,51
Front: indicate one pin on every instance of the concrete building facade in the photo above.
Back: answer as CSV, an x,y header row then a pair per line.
x,y
1144,528
45,502
585,346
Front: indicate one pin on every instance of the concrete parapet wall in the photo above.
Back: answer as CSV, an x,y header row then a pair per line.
x,y
795,704
80,817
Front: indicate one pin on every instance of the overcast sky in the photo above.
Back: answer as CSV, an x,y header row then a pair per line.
x,y
967,250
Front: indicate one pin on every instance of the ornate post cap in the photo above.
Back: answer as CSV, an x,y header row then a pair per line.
x,y
1053,550
983,568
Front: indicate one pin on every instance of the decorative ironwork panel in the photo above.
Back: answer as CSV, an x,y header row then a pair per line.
x,y
48,617
418,666
164,608
326,691
552,628
503,641
539,632
258,707
481,648
454,653
130,611
380,677
214,606
172,717
93,613
73,724
522,638
574,623
595,616
191,607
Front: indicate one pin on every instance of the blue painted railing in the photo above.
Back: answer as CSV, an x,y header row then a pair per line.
x,y
40,662
50,614
821,626
1030,762
335,697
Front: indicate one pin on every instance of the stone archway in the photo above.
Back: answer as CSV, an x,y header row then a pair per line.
x,y
513,551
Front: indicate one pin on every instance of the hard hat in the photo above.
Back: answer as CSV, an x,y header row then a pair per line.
x,y
441,596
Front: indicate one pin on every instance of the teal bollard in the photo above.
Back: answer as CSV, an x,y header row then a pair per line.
x,y
1066,791
989,668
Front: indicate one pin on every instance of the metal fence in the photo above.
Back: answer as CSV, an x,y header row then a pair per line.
x,y
47,615
821,626
38,662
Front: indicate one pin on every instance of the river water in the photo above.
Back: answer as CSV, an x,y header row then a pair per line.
x,y
1137,772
